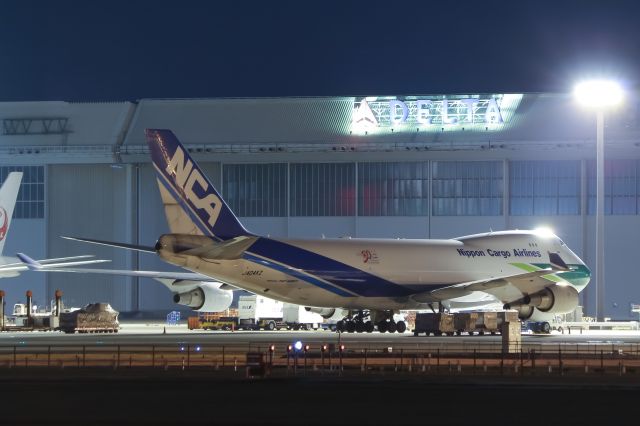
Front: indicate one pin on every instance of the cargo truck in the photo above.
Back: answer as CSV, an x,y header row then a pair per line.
x,y
260,313
296,317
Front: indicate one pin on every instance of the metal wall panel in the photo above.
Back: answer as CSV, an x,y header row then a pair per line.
x,y
89,201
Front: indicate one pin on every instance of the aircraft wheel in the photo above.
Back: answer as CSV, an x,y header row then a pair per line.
x,y
368,327
359,326
382,327
392,327
340,326
401,326
351,327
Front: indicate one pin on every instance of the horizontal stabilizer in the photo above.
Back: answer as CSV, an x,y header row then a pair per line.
x,y
146,249
228,250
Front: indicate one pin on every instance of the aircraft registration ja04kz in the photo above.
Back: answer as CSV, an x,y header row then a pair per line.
x,y
361,281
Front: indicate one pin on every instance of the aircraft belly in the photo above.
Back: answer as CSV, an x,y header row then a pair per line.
x,y
269,282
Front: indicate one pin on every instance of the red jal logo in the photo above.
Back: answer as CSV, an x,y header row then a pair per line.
x,y
5,223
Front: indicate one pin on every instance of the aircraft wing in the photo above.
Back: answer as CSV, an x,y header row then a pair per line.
x,y
52,264
163,276
135,247
507,287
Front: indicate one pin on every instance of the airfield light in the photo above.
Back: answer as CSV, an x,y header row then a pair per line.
x,y
198,348
306,348
599,95
324,347
341,348
272,348
289,348
298,345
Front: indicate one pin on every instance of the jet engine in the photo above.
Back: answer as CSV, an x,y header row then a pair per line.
x,y
557,299
206,297
328,313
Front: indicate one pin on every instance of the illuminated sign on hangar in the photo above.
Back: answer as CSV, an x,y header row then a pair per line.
x,y
434,113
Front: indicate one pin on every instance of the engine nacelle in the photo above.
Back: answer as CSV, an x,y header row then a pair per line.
x,y
207,297
328,313
557,299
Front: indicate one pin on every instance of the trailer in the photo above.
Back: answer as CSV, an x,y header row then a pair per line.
x,y
436,323
93,318
471,322
487,322
465,322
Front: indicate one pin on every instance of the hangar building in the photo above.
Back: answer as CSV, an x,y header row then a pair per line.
x,y
392,166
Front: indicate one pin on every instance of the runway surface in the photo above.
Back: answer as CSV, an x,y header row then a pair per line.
x,y
158,333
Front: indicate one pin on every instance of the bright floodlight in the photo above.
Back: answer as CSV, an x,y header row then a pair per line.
x,y
598,93
298,345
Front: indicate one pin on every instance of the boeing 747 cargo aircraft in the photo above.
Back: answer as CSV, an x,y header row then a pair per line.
x,y
367,280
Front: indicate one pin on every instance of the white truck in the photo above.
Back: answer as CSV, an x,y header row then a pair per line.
x,y
298,318
261,313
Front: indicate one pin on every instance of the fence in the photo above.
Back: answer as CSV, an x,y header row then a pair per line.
x,y
357,359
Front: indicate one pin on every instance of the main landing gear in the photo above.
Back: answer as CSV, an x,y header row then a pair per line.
x,y
363,321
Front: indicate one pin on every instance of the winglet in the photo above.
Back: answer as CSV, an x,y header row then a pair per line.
x,y
31,263
557,262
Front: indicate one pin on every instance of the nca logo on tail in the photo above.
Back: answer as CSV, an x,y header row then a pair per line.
x,y
186,177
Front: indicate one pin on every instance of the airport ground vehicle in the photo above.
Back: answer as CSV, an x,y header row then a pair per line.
x,y
28,317
93,318
297,317
218,322
471,322
260,313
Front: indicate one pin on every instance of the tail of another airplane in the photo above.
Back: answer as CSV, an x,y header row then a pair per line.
x,y
192,205
8,197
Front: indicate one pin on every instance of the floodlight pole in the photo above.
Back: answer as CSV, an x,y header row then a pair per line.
x,y
600,214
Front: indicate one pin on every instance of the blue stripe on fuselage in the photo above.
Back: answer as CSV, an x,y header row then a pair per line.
x,y
297,274
352,279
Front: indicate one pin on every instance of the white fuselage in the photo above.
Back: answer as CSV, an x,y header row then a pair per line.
x,y
378,273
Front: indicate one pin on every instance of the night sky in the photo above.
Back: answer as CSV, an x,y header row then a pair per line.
x,y
128,50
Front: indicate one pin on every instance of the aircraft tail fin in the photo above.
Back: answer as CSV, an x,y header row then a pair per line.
x,y
8,197
192,204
